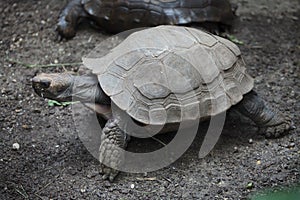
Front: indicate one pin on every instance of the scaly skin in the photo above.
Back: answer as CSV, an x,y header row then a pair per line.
x,y
113,142
272,123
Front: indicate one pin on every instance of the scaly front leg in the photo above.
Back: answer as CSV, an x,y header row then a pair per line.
x,y
273,123
113,142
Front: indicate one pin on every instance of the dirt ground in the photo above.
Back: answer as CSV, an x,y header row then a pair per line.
x,y
52,162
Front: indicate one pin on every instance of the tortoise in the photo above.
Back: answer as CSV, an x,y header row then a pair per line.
x,y
119,15
160,76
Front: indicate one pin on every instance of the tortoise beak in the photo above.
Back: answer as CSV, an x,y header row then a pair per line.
x,y
41,83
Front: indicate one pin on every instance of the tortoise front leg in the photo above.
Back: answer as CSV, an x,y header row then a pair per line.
x,y
69,19
113,141
274,124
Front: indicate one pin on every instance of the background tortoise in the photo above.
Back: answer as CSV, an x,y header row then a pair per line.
x,y
160,76
119,15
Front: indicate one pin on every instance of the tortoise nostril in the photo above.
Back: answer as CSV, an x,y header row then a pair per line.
x,y
45,83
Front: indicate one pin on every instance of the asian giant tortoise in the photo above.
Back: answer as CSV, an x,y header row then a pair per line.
x,y
160,76
119,15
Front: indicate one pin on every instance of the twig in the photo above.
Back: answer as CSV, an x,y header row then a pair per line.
x,y
18,191
41,65
147,179
52,181
38,195
21,193
167,179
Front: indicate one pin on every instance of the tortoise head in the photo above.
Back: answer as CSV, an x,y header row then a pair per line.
x,y
67,87
56,86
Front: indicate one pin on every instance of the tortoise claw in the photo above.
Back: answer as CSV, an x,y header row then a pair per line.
x,y
108,173
58,38
279,130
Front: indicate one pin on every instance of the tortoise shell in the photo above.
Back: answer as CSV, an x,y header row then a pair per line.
x,y
117,15
170,74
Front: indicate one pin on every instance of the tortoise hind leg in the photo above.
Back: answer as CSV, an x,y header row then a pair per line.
x,y
69,19
273,123
113,142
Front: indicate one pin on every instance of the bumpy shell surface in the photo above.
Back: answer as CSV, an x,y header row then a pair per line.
x,y
118,15
168,74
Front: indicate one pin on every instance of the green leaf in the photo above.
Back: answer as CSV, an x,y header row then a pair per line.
x,y
56,103
232,38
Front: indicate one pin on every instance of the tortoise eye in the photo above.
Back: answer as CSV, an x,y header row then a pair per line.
x,y
45,83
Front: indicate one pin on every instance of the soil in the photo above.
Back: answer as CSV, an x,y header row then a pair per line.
x,y
52,162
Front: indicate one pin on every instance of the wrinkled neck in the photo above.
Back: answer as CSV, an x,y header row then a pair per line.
x,y
87,89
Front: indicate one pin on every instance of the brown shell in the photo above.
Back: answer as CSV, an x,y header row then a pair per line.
x,y
168,74
119,15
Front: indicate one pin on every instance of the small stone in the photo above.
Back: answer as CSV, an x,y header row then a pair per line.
x,y
291,145
250,185
16,146
235,149
125,191
55,61
36,110
258,162
250,141
132,186
25,126
83,190
107,184
92,174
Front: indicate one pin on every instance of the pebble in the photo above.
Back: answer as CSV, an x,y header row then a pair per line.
x,y
132,186
16,146
36,110
250,141
25,126
292,144
92,174
125,191
250,185
235,149
18,110
83,190
258,162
